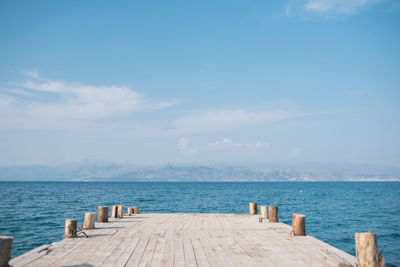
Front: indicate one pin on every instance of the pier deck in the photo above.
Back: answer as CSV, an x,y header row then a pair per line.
x,y
187,240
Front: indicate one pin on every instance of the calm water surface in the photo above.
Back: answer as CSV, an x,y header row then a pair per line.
x,y
34,212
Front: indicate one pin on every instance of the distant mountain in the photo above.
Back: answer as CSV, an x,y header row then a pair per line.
x,y
109,171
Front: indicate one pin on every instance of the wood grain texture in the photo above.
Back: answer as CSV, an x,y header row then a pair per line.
x,y
5,249
366,249
188,240
299,224
264,212
253,208
273,214
102,214
90,219
120,211
114,211
70,228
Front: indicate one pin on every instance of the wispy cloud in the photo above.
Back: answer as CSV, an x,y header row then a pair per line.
x,y
31,73
337,6
326,8
47,102
218,120
184,146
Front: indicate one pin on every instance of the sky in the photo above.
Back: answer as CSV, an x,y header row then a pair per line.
x,y
154,82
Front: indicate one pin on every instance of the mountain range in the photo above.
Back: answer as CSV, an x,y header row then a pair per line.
x,y
118,172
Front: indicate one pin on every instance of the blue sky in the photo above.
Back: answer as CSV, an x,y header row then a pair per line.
x,y
152,82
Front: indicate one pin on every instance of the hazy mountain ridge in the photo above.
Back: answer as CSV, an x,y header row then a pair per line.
x,y
109,171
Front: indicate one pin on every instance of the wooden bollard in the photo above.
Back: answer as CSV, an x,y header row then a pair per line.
x,y
367,250
120,211
299,224
90,218
102,214
130,211
273,214
5,250
114,211
70,228
136,210
253,208
263,211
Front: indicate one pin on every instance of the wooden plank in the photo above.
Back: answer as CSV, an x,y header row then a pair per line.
x,y
179,256
169,253
190,258
201,257
30,256
188,240
100,255
80,253
238,256
137,254
159,253
148,253
334,258
59,251
121,254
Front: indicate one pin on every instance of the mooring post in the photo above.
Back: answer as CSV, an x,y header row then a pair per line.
x,y
120,211
114,211
130,211
367,250
273,214
299,224
253,208
103,214
5,250
136,210
70,228
90,218
263,211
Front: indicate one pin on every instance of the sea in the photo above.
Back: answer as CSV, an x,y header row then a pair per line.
x,y
34,212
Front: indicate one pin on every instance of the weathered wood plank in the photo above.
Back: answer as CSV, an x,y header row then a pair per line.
x,y
190,258
148,253
137,254
188,240
122,254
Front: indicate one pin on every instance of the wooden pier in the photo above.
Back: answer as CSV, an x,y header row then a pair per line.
x,y
151,239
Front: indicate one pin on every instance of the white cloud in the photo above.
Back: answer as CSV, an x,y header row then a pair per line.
x,y
47,102
336,6
31,73
218,120
184,146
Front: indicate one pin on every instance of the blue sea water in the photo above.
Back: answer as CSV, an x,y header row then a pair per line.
x,y
34,212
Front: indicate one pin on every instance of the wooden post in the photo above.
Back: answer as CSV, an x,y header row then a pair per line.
x,y
263,211
90,218
299,224
136,210
273,214
5,250
114,211
253,208
120,212
130,211
70,228
367,249
103,214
